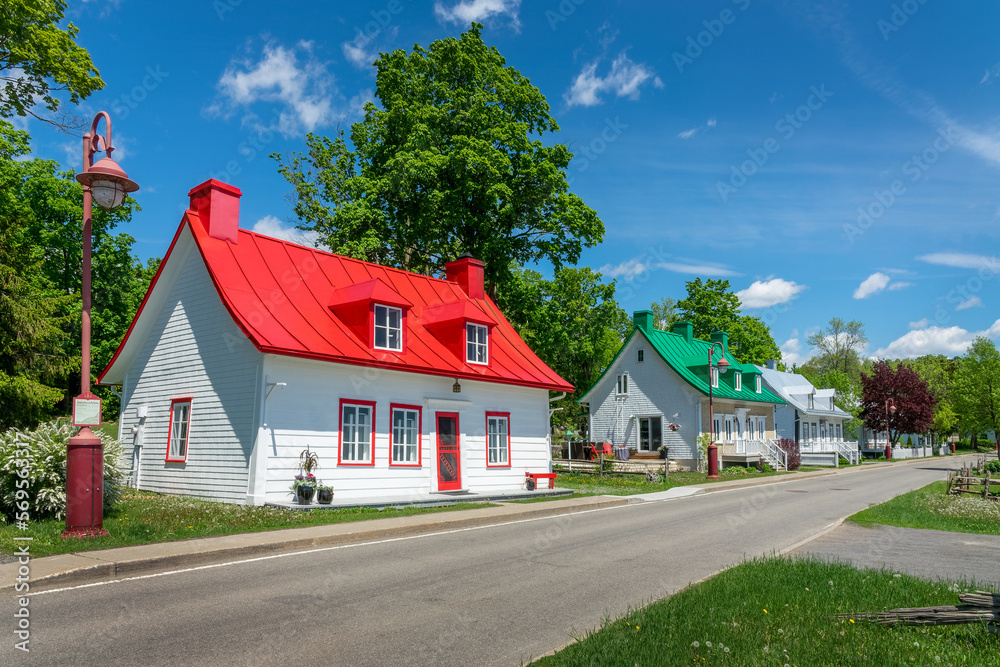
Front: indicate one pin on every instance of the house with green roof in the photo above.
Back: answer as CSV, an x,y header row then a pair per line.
x,y
656,392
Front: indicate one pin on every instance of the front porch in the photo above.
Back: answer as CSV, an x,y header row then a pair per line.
x,y
748,452
821,452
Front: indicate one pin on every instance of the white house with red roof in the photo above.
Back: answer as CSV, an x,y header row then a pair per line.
x,y
247,349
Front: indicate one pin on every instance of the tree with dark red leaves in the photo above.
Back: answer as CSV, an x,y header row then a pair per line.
x,y
909,392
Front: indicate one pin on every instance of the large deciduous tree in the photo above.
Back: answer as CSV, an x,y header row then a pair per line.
x,y
939,372
664,315
711,306
977,388
839,346
909,393
39,60
572,322
451,161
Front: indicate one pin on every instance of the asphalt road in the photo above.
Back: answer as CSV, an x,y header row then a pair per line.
x,y
495,595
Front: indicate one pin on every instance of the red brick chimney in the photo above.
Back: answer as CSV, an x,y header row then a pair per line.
x,y
467,271
218,206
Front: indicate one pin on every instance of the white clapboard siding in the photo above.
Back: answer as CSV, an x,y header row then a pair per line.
x,y
305,411
194,349
654,389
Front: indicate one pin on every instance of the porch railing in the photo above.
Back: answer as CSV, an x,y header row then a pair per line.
x,y
768,449
775,455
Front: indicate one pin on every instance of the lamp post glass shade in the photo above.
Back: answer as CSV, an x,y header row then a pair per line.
x,y
723,365
108,183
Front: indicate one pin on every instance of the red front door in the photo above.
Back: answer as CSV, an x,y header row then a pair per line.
x,y
448,465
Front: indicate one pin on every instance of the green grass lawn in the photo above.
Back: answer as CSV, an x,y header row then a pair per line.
x,y
625,485
143,518
777,611
930,508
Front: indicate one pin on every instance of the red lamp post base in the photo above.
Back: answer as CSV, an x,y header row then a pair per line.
x,y
713,461
888,452
84,485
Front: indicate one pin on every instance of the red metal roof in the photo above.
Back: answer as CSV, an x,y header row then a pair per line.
x,y
286,298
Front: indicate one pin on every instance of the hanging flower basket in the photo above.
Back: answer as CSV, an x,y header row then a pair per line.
x,y
674,427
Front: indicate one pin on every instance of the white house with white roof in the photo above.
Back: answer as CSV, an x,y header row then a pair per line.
x,y
810,417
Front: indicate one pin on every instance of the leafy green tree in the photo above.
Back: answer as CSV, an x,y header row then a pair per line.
x,y
711,306
839,345
39,60
572,322
939,373
41,210
664,316
751,341
977,388
452,161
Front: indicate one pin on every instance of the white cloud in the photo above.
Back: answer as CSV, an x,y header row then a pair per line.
x,y
304,91
271,226
873,284
919,324
624,80
687,134
899,286
467,11
991,73
698,269
791,351
949,341
764,294
971,302
962,260
628,269
358,51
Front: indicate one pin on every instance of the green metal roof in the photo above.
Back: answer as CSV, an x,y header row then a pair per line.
x,y
689,359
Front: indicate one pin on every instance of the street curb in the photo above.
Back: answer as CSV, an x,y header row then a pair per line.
x,y
89,566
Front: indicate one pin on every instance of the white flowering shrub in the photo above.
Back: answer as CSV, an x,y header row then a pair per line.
x,y
40,456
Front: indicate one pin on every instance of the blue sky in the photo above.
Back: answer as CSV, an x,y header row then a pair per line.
x,y
827,158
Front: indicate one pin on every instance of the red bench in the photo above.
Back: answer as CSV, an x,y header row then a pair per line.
x,y
535,476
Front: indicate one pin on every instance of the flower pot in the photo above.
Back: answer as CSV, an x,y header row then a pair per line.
x,y
530,483
304,494
663,454
324,496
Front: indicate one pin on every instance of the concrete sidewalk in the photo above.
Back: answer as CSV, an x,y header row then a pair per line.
x,y
88,566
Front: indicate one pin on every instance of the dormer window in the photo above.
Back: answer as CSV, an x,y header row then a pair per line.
x,y
388,328
757,383
476,343
811,402
737,381
714,374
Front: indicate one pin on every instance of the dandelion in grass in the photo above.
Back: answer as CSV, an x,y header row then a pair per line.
x,y
695,644
708,644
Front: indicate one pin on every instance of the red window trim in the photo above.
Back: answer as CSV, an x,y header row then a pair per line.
x,y
505,415
402,328
170,429
465,338
340,432
420,434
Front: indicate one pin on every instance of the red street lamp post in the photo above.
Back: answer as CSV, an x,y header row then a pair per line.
x,y
713,451
108,184
889,405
